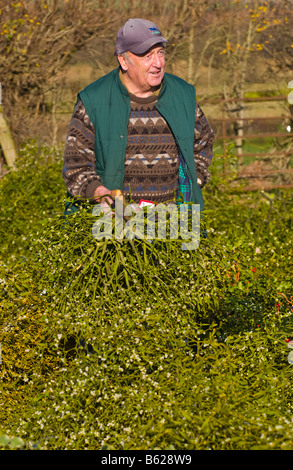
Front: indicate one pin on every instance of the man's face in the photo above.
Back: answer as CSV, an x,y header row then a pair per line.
x,y
144,73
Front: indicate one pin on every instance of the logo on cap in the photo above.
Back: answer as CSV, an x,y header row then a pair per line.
x,y
154,30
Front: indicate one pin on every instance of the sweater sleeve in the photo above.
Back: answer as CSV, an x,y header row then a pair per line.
x,y
203,147
79,172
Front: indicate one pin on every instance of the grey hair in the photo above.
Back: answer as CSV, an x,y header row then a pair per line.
x,y
126,57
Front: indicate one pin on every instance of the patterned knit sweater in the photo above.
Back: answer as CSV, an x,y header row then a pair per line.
x,y
152,162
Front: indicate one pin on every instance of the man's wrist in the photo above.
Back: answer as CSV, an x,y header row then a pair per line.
x,y
92,187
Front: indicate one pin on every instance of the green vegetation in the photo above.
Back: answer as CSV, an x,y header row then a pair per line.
x,y
131,345
254,146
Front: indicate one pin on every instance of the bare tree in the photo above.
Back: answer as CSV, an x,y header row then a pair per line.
x,y
37,40
248,34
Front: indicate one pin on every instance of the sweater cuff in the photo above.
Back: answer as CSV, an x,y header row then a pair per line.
x,y
203,177
90,190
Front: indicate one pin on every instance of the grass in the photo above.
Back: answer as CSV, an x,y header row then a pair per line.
x,y
249,146
119,345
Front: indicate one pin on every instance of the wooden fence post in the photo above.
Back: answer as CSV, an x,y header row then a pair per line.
x,y
224,141
6,140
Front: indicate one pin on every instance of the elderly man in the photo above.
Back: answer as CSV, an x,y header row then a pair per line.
x,y
138,129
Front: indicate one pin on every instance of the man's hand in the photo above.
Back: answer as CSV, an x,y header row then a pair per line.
x,y
103,191
106,202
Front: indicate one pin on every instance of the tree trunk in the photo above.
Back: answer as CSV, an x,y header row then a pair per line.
x,y
6,141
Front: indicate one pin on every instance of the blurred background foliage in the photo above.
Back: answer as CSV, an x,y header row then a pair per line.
x,y
50,49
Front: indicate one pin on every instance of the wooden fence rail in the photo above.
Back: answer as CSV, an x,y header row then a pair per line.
x,y
278,156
